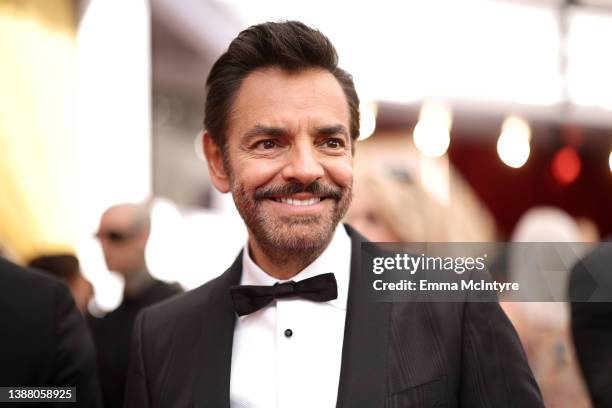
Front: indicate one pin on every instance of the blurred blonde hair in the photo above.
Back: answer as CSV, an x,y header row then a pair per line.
x,y
412,214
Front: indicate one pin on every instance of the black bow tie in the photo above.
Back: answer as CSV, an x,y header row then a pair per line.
x,y
249,298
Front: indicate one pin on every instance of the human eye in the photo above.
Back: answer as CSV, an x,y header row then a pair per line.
x,y
266,144
334,143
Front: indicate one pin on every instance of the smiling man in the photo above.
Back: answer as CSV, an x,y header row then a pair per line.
x,y
287,324
288,163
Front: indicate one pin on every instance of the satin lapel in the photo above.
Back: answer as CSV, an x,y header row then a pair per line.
x,y
366,333
213,355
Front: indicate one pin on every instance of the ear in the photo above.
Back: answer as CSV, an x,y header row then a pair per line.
x,y
216,169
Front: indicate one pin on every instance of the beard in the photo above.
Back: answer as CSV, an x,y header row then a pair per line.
x,y
295,239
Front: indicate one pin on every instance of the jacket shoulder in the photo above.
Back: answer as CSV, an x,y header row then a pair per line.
x,y
15,279
187,305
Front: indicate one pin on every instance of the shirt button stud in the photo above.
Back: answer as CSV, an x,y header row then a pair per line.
x,y
288,333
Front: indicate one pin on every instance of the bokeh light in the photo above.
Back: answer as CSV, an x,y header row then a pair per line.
x,y
367,119
566,166
432,132
513,143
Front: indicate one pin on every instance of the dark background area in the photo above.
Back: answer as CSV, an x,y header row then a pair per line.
x,y
509,192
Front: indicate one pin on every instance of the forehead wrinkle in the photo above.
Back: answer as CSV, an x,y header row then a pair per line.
x,y
257,106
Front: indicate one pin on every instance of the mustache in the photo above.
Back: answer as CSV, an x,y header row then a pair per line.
x,y
316,188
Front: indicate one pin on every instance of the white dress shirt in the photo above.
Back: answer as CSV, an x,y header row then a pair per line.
x,y
288,354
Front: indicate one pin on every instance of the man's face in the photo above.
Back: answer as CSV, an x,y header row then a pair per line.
x,y
289,157
122,245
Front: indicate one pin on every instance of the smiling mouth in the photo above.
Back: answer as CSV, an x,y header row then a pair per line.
x,y
295,201
299,199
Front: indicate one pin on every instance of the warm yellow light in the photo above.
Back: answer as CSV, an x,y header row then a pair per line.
x,y
432,133
38,160
517,126
513,143
367,119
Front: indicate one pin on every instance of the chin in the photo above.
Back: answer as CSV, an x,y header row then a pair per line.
x,y
302,233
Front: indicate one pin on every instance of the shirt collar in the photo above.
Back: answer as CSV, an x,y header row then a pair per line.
x,y
335,258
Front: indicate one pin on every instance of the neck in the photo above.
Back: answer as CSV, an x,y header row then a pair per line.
x,y
137,282
282,265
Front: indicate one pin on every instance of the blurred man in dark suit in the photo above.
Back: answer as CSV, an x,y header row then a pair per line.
x,y
44,341
590,290
123,233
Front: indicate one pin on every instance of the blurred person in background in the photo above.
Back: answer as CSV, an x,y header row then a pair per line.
x,y
590,290
393,208
44,341
66,267
123,233
544,326
390,205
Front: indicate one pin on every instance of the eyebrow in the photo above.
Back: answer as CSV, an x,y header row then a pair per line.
x,y
332,130
261,130
274,131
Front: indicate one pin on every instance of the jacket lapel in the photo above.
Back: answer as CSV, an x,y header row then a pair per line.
x,y
366,334
213,355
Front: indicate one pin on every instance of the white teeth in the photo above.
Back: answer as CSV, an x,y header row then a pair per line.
x,y
292,201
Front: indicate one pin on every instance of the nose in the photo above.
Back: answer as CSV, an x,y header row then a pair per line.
x,y
303,164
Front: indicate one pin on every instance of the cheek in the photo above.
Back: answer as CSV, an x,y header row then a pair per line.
x,y
340,171
252,173
108,249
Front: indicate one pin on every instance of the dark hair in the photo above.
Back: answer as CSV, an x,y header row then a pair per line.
x,y
289,45
64,266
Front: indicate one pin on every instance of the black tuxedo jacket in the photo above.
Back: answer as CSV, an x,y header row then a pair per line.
x,y
44,341
394,354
